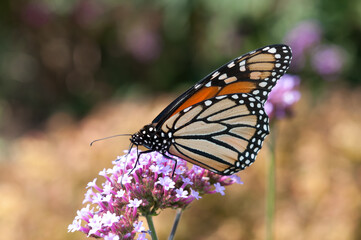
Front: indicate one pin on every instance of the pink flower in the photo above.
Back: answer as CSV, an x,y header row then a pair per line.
x,y
166,182
195,194
143,43
328,60
36,14
109,219
138,226
123,197
301,38
220,189
87,12
283,96
180,193
142,237
111,236
134,203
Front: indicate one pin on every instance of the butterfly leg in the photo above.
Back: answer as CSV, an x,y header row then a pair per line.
x,y
175,163
137,161
135,164
126,155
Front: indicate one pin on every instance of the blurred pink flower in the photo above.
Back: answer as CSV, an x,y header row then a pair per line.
x,y
36,14
143,44
328,60
301,38
87,12
283,96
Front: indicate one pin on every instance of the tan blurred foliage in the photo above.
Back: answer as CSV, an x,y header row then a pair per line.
x,y
44,173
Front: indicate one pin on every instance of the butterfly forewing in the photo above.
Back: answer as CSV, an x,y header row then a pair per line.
x,y
220,123
255,73
223,134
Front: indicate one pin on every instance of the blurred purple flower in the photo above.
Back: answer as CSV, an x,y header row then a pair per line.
x,y
147,190
143,43
87,12
328,60
283,96
305,35
36,14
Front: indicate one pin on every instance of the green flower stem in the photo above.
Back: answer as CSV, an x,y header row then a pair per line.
x,y
271,187
153,234
175,225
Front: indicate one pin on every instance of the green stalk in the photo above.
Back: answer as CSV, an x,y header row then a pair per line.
x,y
175,224
271,187
153,234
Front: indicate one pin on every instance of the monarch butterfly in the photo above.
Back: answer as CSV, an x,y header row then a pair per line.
x,y
220,122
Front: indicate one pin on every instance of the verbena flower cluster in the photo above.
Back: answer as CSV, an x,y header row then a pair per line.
x,y
283,96
114,207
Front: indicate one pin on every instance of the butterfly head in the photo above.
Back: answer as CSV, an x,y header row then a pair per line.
x,y
151,138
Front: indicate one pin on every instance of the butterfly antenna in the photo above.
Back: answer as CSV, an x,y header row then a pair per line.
x,y
100,139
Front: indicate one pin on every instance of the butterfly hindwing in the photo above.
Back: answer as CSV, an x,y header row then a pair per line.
x,y
255,73
223,134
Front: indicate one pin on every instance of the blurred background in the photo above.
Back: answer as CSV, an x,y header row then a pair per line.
x,y
72,71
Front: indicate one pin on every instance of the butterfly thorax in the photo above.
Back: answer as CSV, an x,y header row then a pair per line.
x,y
152,138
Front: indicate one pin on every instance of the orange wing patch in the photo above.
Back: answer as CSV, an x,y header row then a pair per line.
x,y
201,95
211,92
237,87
